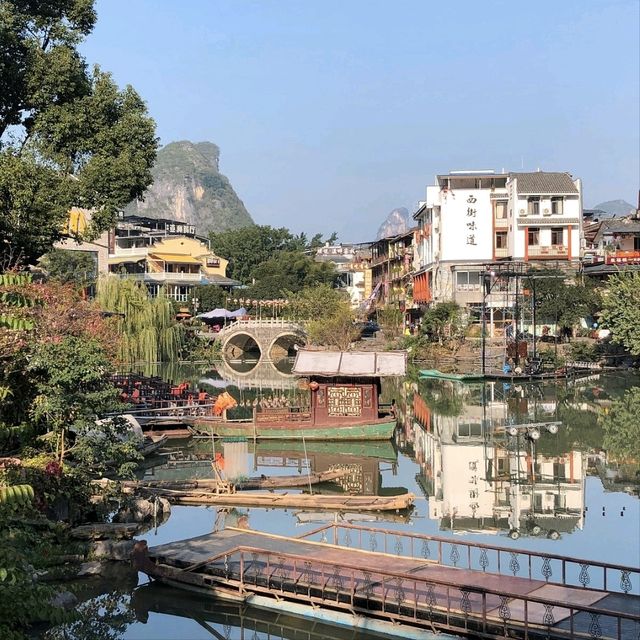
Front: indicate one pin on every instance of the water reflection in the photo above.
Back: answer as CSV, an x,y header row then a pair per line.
x,y
506,458
215,619
453,445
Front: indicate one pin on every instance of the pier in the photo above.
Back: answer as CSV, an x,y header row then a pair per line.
x,y
421,584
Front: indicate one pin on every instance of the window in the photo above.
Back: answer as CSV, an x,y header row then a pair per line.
x,y
636,243
557,236
533,237
213,262
469,430
534,206
468,280
501,210
557,205
501,240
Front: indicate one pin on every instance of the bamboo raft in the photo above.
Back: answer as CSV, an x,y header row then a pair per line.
x,y
258,482
283,500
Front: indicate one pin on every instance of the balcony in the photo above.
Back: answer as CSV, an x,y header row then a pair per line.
x,y
502,252
130,251
161,276
501,223
555,251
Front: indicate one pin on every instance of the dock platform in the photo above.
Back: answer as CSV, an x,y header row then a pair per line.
x,y
420,584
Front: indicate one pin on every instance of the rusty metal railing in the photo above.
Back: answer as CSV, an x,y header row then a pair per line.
x,y
551,568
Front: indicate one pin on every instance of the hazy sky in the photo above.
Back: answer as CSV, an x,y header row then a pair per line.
x,y
330,113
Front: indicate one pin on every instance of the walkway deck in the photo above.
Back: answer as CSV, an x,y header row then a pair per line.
x,y
417,592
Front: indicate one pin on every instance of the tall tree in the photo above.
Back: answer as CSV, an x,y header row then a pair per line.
x,y
68,135
621,310
147,326
249,247
289,271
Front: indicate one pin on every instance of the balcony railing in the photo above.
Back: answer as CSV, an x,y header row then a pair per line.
x,y
553,251
161,276
130,251
502,252
501,223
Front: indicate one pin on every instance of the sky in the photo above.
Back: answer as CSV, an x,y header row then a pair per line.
x,y
331,113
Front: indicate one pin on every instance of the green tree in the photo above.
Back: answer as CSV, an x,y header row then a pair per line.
x,y
210,296
72,382
147,326
622,427
70,267
442,320
68,135
326,314
249,247
560,301
391,320
621,310
289,271
335,329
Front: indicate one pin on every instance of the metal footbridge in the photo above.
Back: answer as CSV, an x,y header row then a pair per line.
x,y
407,585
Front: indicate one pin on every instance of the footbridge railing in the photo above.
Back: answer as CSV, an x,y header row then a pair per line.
x,y
547,567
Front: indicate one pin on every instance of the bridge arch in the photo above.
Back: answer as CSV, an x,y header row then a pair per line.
x,y
269,339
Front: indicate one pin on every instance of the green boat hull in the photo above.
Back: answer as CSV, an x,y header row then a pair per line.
x,y
365,431
460,377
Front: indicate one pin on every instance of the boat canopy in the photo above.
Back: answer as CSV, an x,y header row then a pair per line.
x,y
361,364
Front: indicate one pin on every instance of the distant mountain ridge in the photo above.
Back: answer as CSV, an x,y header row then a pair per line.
x,y
188,186
397,222
617,208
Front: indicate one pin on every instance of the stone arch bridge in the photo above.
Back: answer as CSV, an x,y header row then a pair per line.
x,y
265,339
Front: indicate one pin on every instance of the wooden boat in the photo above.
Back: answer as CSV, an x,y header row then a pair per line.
x,y
344,404
258,482
152,443
458,377
284,427
284,500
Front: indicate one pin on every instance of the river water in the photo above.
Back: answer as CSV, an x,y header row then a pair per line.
x,y
469,453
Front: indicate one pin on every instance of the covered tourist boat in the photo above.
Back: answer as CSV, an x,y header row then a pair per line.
x,y
344,391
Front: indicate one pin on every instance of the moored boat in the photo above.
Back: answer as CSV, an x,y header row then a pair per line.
x,y
343,404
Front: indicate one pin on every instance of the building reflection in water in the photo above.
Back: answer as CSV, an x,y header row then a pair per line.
x,y
489,460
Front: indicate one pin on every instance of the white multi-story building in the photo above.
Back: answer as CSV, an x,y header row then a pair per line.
x,y
473,218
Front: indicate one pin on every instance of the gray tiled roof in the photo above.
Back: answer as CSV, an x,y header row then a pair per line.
x,y
543,182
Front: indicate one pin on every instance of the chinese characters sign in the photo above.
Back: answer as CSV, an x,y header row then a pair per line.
x,y
471,220
344,401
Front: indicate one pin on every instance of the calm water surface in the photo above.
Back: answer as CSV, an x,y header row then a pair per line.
x,y
485,461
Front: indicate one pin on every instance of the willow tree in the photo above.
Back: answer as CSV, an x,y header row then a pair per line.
x,y
147,326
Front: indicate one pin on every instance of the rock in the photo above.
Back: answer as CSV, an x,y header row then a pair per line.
x,y
112,549
65,600
91,568
166,508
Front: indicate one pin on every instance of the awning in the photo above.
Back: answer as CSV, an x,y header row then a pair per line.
x,y
125,259
175,257
223,313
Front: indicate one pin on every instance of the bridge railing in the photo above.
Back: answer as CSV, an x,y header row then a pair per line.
x,y
426,599
547,567
261,322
